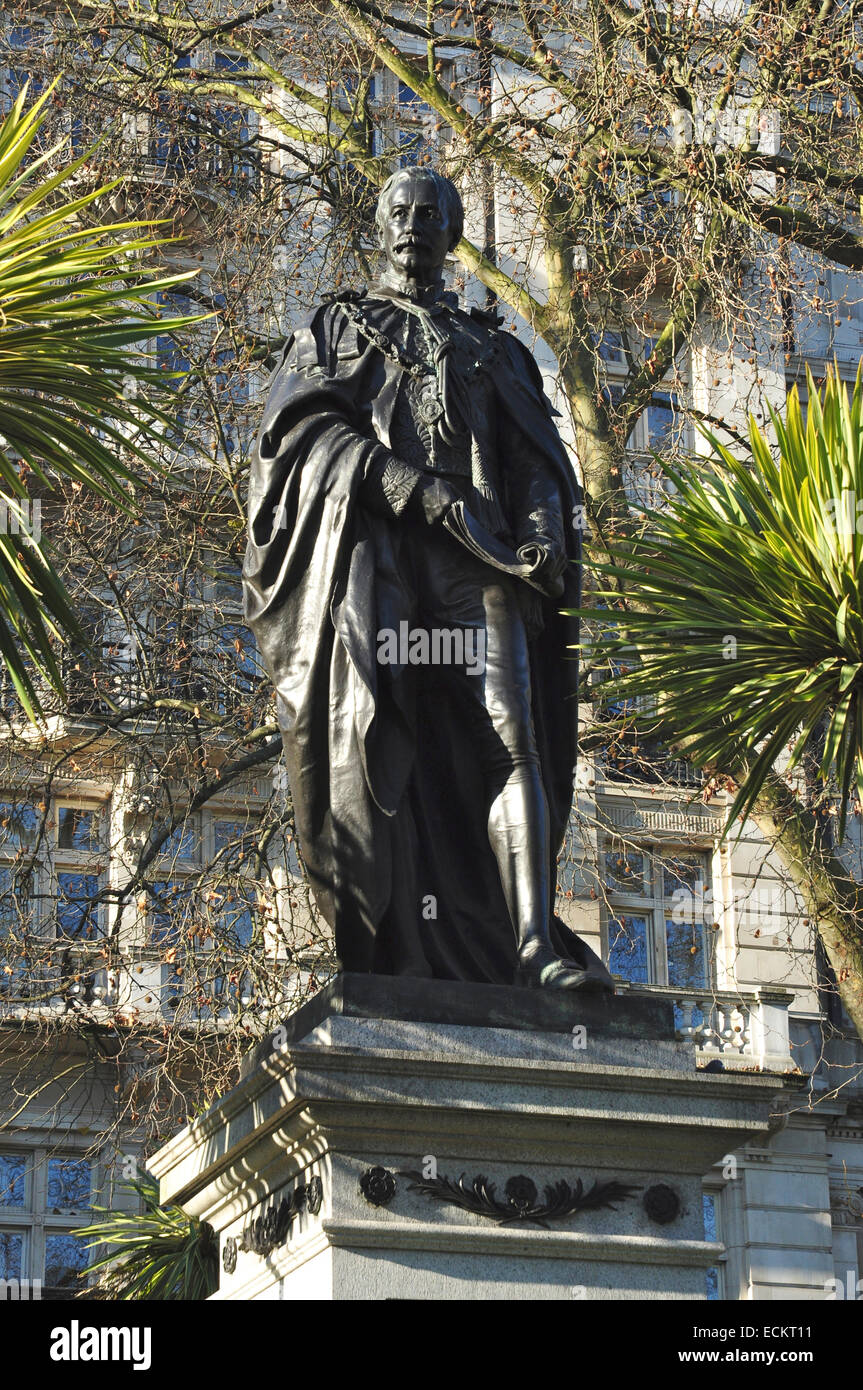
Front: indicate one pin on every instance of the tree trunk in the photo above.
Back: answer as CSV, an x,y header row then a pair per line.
x,y
832,898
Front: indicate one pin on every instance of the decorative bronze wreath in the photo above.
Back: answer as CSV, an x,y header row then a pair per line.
x,y
520,1193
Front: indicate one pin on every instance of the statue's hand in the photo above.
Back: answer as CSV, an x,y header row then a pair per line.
x,y
431,500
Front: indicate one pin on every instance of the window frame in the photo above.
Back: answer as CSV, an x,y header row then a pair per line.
x,y
714,1190
33,1221
92,862
39,41
191,875
652,904
59,955
675,386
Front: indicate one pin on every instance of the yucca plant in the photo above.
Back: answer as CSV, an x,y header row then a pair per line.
x,y
158,1253
74,304
746,623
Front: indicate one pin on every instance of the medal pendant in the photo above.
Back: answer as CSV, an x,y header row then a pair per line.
x,y
430,410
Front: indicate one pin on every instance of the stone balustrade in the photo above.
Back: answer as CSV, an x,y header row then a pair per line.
x,y
743,1029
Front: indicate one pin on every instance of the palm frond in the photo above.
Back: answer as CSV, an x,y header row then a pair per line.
x,y
157,1253
80,398
747,626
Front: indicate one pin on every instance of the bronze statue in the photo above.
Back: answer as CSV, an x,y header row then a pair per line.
x,y
413,534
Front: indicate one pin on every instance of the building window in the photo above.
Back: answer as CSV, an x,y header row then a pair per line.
x,y
85,120
174,137
170,912
172,358
632,751
20,829
53,870
661,430
655,920
19,826
664,422
30,46
355,191
76,910
80,847
238,669
415,128
234,849
79,828
230,383
66,879
609,348
203,911
662,427
91,675
408,128
44,1198
231,144
713,1276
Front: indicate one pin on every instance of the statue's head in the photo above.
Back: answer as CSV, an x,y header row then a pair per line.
x,y
419,219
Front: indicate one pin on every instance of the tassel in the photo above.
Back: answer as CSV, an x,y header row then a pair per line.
x,y
493,518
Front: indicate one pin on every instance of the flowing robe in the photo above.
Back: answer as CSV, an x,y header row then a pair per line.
x,y
389,801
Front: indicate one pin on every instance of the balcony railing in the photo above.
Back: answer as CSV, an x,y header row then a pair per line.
x,y
741,1031
56,977
88,691
734,1030
209,169
645,761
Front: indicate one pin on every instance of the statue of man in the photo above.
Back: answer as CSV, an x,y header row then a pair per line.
x,y
413,535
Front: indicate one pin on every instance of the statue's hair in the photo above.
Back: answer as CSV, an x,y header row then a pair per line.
x,y
447,192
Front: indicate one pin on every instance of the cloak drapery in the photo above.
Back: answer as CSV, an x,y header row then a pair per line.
x,y
389,802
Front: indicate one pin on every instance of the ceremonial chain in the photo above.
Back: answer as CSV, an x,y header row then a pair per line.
x,y
418,370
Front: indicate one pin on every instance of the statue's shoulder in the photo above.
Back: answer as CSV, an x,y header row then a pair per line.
x,y
350,307
492,322
523,365
340,307
324,335
488,318
345,296
513,349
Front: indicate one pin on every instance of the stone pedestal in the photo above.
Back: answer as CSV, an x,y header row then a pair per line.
x,y
392,1140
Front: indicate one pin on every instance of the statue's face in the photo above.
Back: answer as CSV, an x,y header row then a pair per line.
x,y
415,230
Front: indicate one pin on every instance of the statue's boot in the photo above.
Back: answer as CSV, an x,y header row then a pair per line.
x,y
518,831
540,966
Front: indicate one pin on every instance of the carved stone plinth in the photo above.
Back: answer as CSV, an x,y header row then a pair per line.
x,y
419,1139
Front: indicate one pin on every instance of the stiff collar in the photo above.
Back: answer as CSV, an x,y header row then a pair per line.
x,y
429,297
